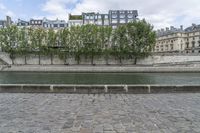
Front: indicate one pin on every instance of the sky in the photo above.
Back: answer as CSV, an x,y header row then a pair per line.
x,y
160,13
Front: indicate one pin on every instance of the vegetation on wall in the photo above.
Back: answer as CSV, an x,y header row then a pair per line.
x,y
133,40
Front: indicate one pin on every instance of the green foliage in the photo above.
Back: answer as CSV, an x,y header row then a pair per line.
x,y
133,40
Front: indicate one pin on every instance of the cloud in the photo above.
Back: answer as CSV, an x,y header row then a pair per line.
x,y
160,13
5,11
58,8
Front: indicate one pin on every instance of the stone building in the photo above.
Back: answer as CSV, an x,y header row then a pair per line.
x,y
96,18
178,40
113,18
55,24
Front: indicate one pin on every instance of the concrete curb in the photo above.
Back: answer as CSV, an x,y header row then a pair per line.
x,y
99,89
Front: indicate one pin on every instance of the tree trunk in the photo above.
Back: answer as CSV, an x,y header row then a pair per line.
x,y
65,58
25,60
107,59
78,60
92,60
39,59
12,58
120,60
135,61
51,59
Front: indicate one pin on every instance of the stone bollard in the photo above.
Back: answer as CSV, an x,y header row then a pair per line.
x,y
106,88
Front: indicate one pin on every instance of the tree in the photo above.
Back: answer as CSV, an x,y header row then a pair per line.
x,y
40,35
76,42
65,42
90,41
120,42
104,36
22,42
51,43
141,38
10,40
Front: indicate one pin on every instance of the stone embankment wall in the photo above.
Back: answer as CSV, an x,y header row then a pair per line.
x,y
151,60
176,59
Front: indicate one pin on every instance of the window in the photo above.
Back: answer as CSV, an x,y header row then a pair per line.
x,y
87,17
130,16
114,21
193,44
62,25
114,16
55,25
122,21
99,17
106,16
192,51
91,17
122,16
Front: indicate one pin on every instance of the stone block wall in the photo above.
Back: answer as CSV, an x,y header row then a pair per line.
x,y
151,60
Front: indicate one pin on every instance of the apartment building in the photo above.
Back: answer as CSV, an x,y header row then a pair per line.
x,y
178,40
96,18
75,20
192,39
119,17
113,18
56,24
36,22
22,23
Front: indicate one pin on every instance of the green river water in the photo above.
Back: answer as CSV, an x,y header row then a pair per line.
x,y
99,78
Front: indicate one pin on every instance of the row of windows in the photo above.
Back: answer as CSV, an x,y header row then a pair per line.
x,y
95,17
123,16
36,22
54,25
122,12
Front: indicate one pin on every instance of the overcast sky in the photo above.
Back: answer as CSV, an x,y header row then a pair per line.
x,y
161,13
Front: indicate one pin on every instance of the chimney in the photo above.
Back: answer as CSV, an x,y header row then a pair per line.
x,y
8,21
171,27
167,29
181,27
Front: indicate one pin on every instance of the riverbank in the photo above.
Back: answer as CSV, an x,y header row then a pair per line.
x,y
99,69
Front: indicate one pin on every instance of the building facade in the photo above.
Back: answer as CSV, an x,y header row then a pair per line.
x,y
36,22
113,18
56,24
119,17
75,20
178,40
22,23
96,18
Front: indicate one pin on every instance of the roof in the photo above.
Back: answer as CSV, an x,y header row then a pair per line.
x,y
194,27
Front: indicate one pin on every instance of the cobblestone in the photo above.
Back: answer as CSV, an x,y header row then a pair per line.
x,y
120,113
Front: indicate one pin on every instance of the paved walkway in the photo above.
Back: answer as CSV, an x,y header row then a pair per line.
x,y
64,113
89,68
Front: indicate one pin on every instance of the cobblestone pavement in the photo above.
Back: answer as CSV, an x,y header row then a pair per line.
x,y
70,113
